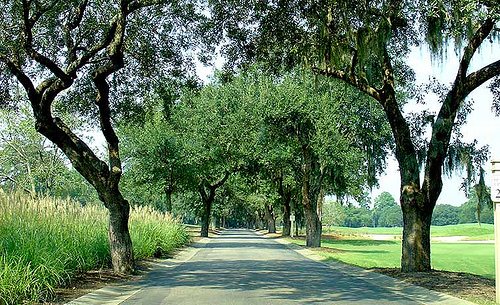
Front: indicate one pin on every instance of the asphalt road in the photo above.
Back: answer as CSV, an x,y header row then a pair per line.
x,y
242,267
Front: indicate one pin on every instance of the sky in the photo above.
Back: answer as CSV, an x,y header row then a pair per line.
x,y
481,124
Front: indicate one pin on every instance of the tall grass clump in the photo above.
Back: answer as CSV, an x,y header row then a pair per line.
x,y
155,234
45,241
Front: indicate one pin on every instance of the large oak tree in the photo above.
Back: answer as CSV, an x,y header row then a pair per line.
x,y
96,58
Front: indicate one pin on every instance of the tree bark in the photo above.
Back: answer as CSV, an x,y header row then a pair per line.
x,y
205,216
168,203
286,197
313,228
122,254
287,225
309,200
416,246
271,222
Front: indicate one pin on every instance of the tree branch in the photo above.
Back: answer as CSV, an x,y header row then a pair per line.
x,y
352,80
21,77
476,79
28,44
472,47
221,182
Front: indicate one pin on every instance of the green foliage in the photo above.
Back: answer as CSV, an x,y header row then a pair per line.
x,y
45,241
445,214
390,217
357,217
384,200
469,211
333,213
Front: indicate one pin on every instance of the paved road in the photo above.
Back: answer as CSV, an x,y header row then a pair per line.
x,y
241,267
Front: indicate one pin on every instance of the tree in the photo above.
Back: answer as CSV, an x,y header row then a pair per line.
x,y
333,213
386,212
310,120
78,55
216,131
364,44
384,200
390,217
445,214
29,162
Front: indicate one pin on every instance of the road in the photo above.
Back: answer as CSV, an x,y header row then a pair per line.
x,y
242,267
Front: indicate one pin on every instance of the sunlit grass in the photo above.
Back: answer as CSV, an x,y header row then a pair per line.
x,y
45,241
474,231
459,257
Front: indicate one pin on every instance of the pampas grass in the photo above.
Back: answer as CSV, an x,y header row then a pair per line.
x,y
45,241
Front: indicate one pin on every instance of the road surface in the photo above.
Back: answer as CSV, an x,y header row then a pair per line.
x,y
242,267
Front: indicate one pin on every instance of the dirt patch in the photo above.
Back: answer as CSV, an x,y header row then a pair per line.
x,y
327,249
461,285
93,280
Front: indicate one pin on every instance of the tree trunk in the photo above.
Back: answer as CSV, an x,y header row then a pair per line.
x,y
313,228
309,201
168,203
205,218
286,196
286,218
271,223
416,246
207,199
120,243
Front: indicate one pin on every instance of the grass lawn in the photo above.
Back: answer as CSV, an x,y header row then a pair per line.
x,y
474,231
471,258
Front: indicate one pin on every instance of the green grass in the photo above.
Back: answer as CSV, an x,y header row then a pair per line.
x,y
44,242
474,231
471,258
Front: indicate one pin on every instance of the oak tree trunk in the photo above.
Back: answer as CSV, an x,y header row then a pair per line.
x,y
271,222
205,218
120,243
416,246
313,228
310,192
287,225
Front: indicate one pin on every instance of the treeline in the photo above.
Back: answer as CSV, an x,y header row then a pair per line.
x,y
387,213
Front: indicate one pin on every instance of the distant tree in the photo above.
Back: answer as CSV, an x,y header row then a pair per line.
x,y
468,211
445,214
390,217
357,217
384,200
384,212
333,213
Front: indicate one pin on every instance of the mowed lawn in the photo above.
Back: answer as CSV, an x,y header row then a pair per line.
x,y
475,258
474,231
